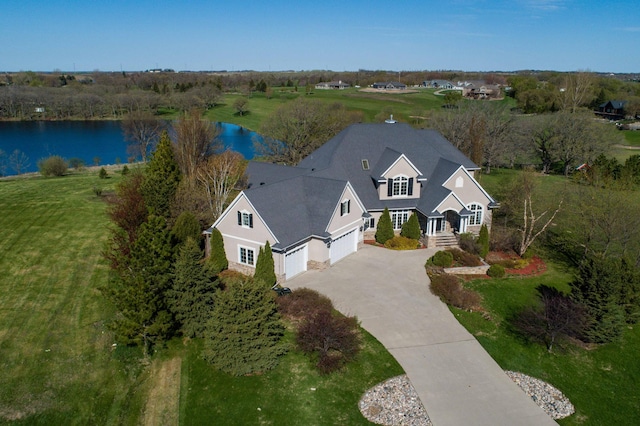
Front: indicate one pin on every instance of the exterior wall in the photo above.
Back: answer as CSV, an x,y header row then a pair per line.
x,y
470,191
318,251
450,203
402,167
339,224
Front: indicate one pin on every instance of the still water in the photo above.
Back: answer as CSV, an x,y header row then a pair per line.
x,y
90,141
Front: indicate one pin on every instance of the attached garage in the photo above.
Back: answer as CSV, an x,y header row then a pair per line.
x,y
344,245
295,262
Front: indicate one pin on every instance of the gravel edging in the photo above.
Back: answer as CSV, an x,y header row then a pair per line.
x,y
396,402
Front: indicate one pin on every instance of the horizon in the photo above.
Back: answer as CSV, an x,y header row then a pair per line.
x,y
413,36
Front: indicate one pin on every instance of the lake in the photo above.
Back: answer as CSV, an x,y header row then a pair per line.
x,y
89,140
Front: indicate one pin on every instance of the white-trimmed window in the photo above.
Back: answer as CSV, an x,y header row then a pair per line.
x,y
345,207
459,182
245,219
399,217
400,185
476,217
246,256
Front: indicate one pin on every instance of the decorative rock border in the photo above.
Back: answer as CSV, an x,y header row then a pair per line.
x,y
396,402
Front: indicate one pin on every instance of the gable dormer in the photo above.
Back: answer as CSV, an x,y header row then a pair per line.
x,y
396,176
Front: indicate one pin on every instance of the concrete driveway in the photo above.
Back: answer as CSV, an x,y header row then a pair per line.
x,y
458,382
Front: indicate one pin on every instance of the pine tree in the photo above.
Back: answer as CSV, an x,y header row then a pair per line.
x,y
244,332
265,266
191,295
483,241
162,177
186,226
384,230
139,289
217,261
411,228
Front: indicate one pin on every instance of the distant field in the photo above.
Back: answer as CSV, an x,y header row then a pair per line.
x,y
59,365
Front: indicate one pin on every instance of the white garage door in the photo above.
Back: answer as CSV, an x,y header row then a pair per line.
x,y
344,245
295,262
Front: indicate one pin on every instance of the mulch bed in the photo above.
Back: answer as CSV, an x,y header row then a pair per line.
x,y
536,266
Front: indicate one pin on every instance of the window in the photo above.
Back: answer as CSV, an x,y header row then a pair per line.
x,y
345,207
459,182
476,217
245,219
398,217
400,186
247,256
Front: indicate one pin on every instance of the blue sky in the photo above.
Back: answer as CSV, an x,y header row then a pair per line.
x,y
469,35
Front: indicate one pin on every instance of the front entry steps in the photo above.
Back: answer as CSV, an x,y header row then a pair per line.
x,y
446,240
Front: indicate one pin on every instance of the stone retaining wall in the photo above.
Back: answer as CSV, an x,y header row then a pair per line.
x,y
468,270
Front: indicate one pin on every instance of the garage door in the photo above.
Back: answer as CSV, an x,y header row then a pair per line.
x,y
344,245
295,262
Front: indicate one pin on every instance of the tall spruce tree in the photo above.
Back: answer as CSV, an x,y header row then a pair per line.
x,y
191,295
265,266
162,176
217,261
483,241
244,332
186,226
139,288
411,228
384,230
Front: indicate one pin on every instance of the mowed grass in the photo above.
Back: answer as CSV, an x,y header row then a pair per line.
x,y
58,362
55,351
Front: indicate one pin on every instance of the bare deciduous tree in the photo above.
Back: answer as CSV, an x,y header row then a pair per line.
x,y
219,175
195,140
142,130
578,90
18,161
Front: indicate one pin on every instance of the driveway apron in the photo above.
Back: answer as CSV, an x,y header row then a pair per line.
x,y
456,379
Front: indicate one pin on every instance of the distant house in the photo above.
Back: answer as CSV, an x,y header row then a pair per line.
x,y
390,85
612,110
332,85
439,84
318,212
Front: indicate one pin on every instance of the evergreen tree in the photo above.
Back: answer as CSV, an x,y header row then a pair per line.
x,y
244,332
139,289
217,258
162,177
265,266
483,241
186,226
191,295
411,228
384,230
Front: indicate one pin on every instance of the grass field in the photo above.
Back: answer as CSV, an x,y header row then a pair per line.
x,y
56,353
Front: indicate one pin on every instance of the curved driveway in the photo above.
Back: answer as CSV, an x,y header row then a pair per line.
x,y
458,382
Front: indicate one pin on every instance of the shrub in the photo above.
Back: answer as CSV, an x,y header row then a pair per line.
x,y
384,230
97,190
103,173
125,170
442,258
483,241
450,291
503,239
217,261
411,228
186,226
52,166
333,337
401,243
76,163
265,266
496,271
462,258
302,302
468,243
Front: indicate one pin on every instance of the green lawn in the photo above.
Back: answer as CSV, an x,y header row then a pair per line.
x,y
600,382
56,353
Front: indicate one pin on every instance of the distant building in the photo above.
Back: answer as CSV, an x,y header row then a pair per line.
x,y
612,110
390,85
332,85
439,84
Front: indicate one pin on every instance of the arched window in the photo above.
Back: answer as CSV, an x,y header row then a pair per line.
x,y
476,217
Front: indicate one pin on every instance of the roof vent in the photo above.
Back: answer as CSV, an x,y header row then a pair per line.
x,y
365,164
261,183
390,120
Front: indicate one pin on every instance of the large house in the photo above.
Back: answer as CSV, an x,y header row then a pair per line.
x,y
612,110
318,212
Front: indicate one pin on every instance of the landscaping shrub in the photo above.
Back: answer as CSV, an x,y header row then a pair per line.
x,y
483,241
186,226
302,302
503,239
125,170
462,258
333,337
217,261
450,291
468,243
384,230
442,258
265,266
411,228
103,173
52,166
401,243
97,190
496,271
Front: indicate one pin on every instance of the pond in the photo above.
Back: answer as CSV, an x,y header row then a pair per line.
x,y
95,142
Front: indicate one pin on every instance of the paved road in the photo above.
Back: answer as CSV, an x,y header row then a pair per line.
x,y
458,382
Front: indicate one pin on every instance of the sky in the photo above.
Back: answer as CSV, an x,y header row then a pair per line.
x,y
347,35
